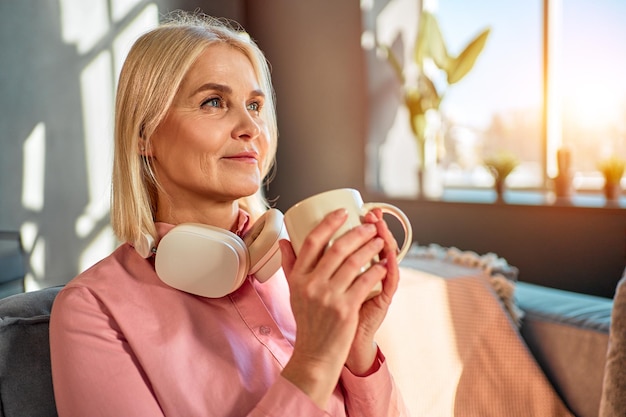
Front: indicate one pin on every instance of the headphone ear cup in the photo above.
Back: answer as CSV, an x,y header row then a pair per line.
x,y
202,260
262,243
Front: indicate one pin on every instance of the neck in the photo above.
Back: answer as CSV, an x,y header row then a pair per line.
x,y
224,215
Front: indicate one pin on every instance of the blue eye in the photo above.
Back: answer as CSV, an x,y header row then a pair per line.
x,y
256,106
212,102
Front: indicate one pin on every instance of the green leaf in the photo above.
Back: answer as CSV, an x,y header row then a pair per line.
x,y
612,169
418,125
394,62
430,95
501,164
430,42
459,67
413,101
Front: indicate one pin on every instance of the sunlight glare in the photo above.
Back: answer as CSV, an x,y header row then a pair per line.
x,y
147,19
592,106
34,168
121,8
84,23
367,5
97,101
97,248
37,264
28,233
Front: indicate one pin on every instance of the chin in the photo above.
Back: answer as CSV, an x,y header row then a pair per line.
x,y
246,190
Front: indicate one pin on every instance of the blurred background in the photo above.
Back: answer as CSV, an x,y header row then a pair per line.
x,y
547,79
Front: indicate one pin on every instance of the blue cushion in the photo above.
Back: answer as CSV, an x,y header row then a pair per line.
x,y
565,307
25,376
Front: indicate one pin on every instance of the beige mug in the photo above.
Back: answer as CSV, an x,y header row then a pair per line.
x,y
301,218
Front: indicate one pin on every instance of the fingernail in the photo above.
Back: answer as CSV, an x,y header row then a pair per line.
x,y
342,212
379,242
369,227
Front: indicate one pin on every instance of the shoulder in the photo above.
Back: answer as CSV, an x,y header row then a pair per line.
x,y
122,265
121,276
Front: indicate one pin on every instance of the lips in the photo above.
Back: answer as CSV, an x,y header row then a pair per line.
x,y
246,156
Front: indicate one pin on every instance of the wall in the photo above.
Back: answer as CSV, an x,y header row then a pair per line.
x,y
319,77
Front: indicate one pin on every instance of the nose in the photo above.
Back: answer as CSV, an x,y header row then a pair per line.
x,y
246,126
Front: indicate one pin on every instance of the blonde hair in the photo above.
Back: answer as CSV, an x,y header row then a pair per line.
x,y
149,80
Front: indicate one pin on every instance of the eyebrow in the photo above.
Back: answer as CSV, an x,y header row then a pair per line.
x,y
212,86
223,89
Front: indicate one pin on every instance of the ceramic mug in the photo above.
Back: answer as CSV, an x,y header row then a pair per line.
x,y
301,218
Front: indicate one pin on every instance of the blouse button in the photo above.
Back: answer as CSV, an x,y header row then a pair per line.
x,y
265,330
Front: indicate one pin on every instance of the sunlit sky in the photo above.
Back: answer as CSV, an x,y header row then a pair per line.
x,y
597,89
508,73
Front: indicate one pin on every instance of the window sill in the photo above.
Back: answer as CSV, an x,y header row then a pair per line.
x,y
530,198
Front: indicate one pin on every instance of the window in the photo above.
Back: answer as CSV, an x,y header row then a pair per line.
x,y
592,86
548,78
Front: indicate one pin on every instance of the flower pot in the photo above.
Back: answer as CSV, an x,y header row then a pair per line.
x,y
500,186
612,190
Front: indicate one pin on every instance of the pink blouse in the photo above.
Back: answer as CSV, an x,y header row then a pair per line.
x,y
123,343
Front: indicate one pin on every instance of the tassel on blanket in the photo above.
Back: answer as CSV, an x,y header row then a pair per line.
x,y
502,275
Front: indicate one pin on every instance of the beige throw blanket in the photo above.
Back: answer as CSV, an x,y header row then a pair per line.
x,y
454,350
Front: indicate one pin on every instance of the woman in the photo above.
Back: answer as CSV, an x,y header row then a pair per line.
x,y
195,137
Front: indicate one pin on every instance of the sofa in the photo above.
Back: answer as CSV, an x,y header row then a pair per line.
x,y
25,376
568,334
578,348
557,353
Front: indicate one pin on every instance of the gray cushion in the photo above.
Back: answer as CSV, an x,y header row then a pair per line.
x,y
25,376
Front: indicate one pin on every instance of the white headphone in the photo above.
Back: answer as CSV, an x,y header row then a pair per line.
x,y
213,262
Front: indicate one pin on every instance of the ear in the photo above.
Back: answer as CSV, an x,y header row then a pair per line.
x,y
144,148
143,144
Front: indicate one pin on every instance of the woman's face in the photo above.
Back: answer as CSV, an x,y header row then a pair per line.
x,y
211,145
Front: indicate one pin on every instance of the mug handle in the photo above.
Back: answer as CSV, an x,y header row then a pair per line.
x,y
404,220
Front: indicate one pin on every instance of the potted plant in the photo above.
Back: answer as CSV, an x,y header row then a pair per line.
x,y
500,165
612,170
564,181
422,93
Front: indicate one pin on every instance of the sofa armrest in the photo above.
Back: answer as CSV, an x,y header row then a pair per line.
x,y
25,375
568,334
614,389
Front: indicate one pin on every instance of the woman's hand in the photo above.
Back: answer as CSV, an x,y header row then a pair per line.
x,y
362,356
328,292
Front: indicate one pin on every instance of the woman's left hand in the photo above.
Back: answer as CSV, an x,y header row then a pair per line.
x,y
362,357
